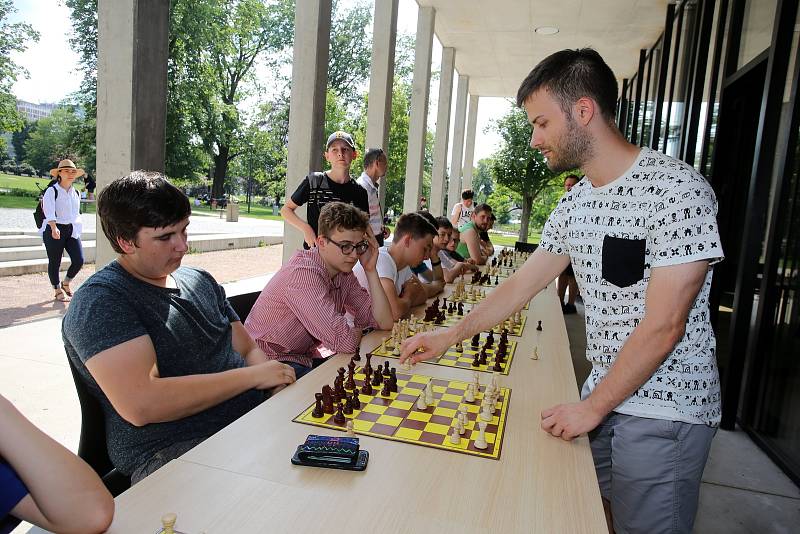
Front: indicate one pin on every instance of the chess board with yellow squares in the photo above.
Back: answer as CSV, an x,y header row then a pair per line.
x,y
397,418
464,359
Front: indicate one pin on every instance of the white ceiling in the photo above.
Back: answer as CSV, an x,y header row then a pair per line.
x,y
497,47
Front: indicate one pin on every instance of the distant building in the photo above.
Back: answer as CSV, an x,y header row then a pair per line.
x,y
34,112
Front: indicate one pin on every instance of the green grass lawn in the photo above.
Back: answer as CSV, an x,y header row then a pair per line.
x,y
510,241
256,211
10,181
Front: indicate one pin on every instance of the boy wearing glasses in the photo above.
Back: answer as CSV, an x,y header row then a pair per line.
x,y
304,308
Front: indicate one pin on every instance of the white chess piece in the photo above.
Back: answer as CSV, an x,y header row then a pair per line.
x,y
480,441
455,436
350,431
429,393
460,425
421,403
486,410
469,396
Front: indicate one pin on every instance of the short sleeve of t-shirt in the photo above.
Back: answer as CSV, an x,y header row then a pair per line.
x,y
12,490
91,304
386,267
300,195
554,234
683,225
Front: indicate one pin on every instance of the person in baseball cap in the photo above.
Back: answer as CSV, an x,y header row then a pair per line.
x,y
320,188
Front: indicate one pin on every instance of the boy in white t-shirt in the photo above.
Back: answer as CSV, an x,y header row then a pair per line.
x,y
462,211
412,243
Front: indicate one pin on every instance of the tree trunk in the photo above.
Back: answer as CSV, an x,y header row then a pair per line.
x,y
527,202
220,170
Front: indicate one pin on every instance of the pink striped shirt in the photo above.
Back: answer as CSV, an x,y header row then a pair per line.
x,y
302,308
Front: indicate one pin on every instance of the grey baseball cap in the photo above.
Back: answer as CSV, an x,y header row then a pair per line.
x,y
344,136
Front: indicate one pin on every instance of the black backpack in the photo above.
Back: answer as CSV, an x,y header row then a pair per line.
x,y
38,213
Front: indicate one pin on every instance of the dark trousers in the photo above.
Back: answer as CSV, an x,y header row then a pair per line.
x,y
301,370
55,249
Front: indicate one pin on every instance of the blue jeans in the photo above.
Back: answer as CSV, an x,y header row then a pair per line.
x,y
55,249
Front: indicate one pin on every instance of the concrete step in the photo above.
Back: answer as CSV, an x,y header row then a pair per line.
x,y
33,259
23,239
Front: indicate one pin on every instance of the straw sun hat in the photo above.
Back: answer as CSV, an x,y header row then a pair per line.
x,y
66,164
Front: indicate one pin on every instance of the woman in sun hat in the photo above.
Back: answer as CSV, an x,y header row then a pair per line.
x,y
61,229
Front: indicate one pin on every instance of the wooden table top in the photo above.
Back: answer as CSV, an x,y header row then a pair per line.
x,y
241,480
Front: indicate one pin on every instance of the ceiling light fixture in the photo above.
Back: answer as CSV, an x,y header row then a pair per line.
x,y
546,30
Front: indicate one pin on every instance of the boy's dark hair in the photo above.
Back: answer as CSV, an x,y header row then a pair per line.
x,y
372,155
140,199
572,74
341,216
444,222
428,217
574,177
415,225
482,207
466,194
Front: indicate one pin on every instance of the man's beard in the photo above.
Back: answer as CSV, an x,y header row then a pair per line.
x,y
573,148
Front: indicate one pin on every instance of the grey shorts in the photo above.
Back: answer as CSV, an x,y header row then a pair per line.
x,y
649,470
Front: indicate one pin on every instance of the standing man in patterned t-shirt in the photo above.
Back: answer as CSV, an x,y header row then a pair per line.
x,y
641,232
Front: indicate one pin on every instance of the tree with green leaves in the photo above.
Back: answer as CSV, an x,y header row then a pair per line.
x,y
53,139
517,166
13,38
483,180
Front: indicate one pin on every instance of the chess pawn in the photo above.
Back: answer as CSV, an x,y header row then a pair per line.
x,y
476,381
429,393
421,403
469,395
350,431
459,347
486,409
455,437
168,524
396,351
480,441
462,429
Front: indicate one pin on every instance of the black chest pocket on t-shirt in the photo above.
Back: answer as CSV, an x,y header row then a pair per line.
x,y
623,260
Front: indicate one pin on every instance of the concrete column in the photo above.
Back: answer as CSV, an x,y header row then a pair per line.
x,y
469,151
381,80
132,52
454,186
439,172
312,29
417,123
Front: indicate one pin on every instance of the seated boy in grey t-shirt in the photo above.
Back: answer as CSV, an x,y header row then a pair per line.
x,y
157,344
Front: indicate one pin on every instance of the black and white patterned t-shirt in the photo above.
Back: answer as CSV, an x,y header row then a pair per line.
x,y
660,212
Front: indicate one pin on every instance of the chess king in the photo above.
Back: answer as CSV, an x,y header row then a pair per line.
x,y
651,264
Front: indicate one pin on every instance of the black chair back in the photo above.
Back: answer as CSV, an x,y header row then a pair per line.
x,y
92,447
243,303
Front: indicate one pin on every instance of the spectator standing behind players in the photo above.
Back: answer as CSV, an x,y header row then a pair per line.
x,y
413,236
43,483
462,211
470,246
158,344
305,304
567,277
375,163
319,188
641,233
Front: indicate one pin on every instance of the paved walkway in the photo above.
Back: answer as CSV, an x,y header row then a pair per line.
x,y
29,297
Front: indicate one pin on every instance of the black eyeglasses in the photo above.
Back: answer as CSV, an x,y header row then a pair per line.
x,y
347,248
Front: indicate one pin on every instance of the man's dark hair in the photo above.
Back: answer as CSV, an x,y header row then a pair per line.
x,y
574,177
140,199
415,225
372,155
482,207
572,74
444,222
340,216
466,194
428,217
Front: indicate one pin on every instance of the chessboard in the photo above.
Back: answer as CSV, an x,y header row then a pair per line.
x,y
395,415
465,359
450,320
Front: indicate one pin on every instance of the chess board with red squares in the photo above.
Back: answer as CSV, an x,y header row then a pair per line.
x,y
397,418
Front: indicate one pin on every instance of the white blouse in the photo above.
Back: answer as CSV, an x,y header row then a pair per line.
x,y
64,209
